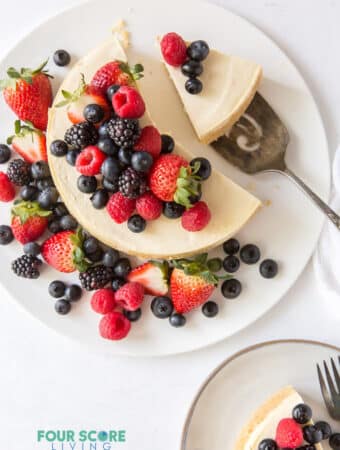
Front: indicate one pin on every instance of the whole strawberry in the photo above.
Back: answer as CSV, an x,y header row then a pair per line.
x,y
29,94
115,72
29,142
29,221
191,283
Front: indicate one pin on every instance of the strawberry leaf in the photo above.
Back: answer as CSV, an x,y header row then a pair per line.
x,y
26,209
71,97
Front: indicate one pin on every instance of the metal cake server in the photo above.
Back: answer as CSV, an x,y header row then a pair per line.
x,y
258,143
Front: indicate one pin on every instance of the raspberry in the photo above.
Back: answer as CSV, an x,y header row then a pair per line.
x,y
114,326
109,74
289,434
89,161
174,49
150,141
130,296
197,217
7,191
120,208
149,206
103,301
128,103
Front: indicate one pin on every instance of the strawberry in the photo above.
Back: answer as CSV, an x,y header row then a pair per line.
x,y
64,251
150,141
29,94
196,218
114,326
149,206
120,208
29,221
153,275
172,179
174,49
29,142
77,101
89,161
115,72
289,434
128,103
130,296
191,283
7,190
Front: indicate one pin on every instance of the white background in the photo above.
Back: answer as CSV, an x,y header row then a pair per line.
x,y
49,382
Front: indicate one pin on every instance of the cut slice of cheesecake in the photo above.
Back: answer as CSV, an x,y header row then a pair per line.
x,y
231,206
229,85
264,421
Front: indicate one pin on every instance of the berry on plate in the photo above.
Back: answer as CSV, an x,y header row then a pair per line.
x,y
197,217
174,49
19,172
149,206
114,326
153,275
29,142
90,160
130,296
289,434
7,190
162,307
120,208
149,141
96,277
29,221
103,301
27,266
128,103
115,73
29,94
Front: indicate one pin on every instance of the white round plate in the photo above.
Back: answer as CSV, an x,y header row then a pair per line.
x,y
244,381
287,227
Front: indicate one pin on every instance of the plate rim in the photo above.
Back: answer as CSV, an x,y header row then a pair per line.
x,y
227,361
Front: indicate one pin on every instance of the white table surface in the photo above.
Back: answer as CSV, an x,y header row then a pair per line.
x,y
48,382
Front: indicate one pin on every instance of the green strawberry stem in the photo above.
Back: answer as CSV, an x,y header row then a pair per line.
x,y
135,72
71,97
26,209
21,129
79,258
25,74
164,267
188,185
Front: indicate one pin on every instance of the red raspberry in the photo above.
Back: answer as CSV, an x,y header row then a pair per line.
x,y
150,141
90,160
128,103
120,207
109,74
114,326
7,190
130,296
149,206
289,434
103,301
174,49
197,217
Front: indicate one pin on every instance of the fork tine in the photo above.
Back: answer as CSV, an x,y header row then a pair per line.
x,y
330,381
324,390
336,374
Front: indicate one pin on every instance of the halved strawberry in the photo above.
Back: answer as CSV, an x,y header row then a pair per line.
x,y
7,190
29,221
28,142
153,275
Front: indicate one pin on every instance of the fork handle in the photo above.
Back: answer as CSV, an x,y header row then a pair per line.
x,y
332,216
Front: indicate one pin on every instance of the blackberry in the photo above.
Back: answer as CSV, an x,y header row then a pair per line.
x,y
19,172
132,184
96,277
81,135
26,266
124,132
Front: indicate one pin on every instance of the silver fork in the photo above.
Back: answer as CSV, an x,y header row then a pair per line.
x,y
331,395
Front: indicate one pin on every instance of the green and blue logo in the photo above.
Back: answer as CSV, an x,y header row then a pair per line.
x,y
81,440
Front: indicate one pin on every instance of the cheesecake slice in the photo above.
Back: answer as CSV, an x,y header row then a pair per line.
x,y
264,421
229,85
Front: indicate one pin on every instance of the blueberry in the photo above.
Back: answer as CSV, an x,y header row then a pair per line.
x,y
192,68
250,254
162,307
71,156
56,289
102,130
133,316
111,186
312,435
45,183
73,293
5,153
122,268
59,148
231,246
91,245
60,209
111,169
334,441
325,428
231,264
100,198
214,264
136,224
193,86
87,184
68,222
231,288
117,283
141,161
210,309
48,197
61,58
96,256
204,170
198,50
302,413
111,90
106,145
6,235
54,226
62,307
268,268
94,113
110,257
268,444
177,320
29,192
125,155
40,170
168,144
32,248
173,210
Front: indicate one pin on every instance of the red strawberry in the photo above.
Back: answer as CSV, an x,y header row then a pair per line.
x,y
89,161
153,276
130,296
191,283
128,103
150,141
77,101
149,206
103,301
120,207
63,251
197,217
174,49
7,190
29,94
29,221
114,326
28,142
289,434
110,73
